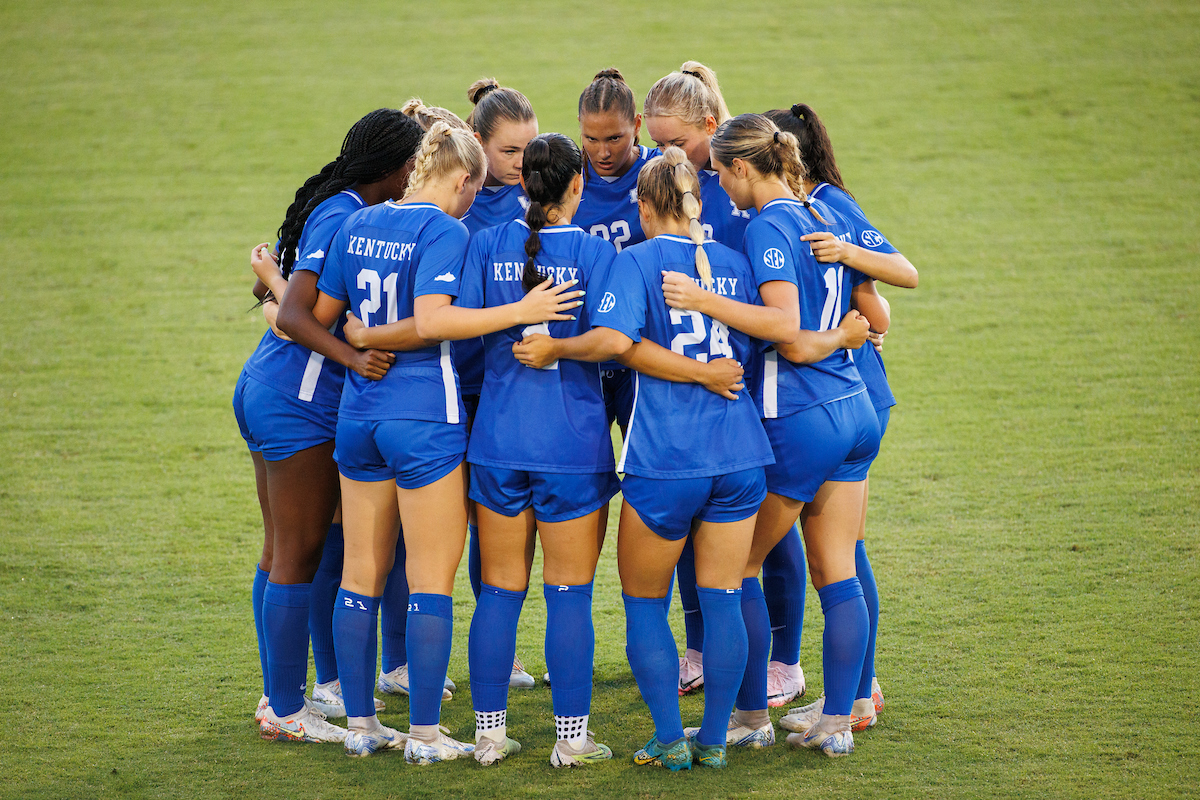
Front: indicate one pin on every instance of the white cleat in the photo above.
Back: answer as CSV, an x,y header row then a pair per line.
x,y
306,725
520,679
563,755
260,711
327,698
834,745
488,751
738,735
785,682
396,682
360,744
417,751
799,720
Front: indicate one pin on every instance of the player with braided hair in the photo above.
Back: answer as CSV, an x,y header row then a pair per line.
x,y
401,441
823,181
541,459
286,405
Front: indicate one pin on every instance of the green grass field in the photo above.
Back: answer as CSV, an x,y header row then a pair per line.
x,y
1034,511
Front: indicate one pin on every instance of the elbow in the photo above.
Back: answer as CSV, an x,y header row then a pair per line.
x,y
789,331
285,320
426,329
910,277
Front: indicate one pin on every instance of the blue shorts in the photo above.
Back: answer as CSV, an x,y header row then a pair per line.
x,y
836,441
668,506
555,496
470,405
279,425
884,415
412,452
617,387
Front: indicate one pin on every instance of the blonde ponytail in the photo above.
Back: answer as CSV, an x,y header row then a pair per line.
x,y
444,151
756,140
692,94
668,184
425,115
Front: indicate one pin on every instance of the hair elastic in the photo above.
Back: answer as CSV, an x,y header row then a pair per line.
x,y
775,137
485,91
693,74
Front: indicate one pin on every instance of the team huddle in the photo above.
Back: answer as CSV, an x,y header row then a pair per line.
x,y
460,311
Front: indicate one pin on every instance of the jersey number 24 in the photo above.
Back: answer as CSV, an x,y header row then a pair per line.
x,y
718,340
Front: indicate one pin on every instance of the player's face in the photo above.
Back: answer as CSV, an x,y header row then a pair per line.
x,y
737,188
608,140
674,132
506,149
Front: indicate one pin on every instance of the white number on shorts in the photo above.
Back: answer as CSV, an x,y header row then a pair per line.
x,y
618,236
833,298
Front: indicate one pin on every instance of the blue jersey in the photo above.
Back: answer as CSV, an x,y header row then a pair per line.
x,y
609,206
722,219
682,430
382,259
539,420
493,205
866,358
292,368
776,253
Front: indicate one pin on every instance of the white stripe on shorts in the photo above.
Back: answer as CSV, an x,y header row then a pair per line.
x,y
449,384
771,385
629,427
312,374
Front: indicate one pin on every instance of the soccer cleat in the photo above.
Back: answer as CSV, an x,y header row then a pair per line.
x,y
360,744
449,685
691,672
327,698
488,751
676,757
801,719
833,745
785,682
738,735
712,756
862,714
876,695
520,679
546,679
263,703
417,751
396,682
592,752
306,725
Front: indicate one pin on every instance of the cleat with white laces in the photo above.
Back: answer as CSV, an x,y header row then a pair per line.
x,y
862,714
520,679
488,751
263,703
876,695
592,752
834,745
421,752
676,757
306,725
691,672
785,682
327,698
738,735
799,720
396,682
360,744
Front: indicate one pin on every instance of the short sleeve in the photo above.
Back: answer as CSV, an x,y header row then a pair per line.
x,y
317,242
471,293
331,281
865,234
602,256
770,254
622,305
442,251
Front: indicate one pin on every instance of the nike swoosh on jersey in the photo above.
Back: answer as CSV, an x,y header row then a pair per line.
x,y
449,276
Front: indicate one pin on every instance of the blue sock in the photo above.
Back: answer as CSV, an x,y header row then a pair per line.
x,y
355,618
670,591
491,646
256,599
393,612
844,642
785,580
285,620
570,647
871,596
431,623
654,659
320,611
474,570
724,666
693,617
752,695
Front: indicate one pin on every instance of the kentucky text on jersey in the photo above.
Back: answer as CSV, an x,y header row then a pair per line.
x,y
379,248
514,270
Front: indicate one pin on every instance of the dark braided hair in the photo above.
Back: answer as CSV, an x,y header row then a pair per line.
x,y
379,144
550,162
815,148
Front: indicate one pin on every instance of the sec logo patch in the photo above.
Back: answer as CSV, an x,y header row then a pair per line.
x,y
607,303
773,258
871,238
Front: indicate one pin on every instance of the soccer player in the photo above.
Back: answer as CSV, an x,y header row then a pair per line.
x,y
823,181
693,461
286,406
401,441
540,457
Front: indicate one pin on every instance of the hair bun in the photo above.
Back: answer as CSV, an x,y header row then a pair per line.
x,y
481,88
798,111
612,73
